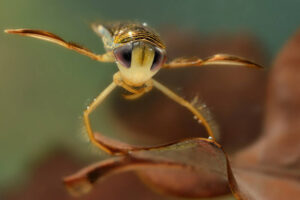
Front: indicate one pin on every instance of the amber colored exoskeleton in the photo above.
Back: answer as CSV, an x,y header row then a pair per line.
x,y
139,54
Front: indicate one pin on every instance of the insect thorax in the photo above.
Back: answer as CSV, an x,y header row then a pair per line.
x,y
124,32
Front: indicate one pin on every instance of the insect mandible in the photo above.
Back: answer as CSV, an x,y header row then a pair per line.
x,y
139,54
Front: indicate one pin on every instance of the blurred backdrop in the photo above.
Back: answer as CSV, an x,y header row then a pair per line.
x,y
44,88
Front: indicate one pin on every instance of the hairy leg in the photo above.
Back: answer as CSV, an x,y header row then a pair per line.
x,y
98,100
186,104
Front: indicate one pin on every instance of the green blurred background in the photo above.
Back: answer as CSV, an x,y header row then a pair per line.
x,y
44,88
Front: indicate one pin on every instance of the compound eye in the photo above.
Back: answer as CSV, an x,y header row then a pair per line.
x,y
123,55
158,60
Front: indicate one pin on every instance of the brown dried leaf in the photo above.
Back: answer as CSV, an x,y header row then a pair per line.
x,y
270,168
45,183
191,168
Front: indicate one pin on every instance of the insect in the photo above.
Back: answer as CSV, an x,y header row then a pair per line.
x,y
139,54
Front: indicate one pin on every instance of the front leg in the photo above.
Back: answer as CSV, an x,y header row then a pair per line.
x,y
188,105
118,80
98,100
148,87
108,145
136,93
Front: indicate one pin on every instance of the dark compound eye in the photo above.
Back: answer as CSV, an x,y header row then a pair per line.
x,y
123,55
158,59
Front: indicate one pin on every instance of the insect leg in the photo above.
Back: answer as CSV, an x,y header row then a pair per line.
x,y
148,87
134,96
218,59
50,37
186,104
89,110
118,80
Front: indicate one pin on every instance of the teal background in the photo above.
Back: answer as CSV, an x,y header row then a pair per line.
x,y
44,88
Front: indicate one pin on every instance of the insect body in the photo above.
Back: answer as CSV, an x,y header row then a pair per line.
x,y
138,50
139,54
